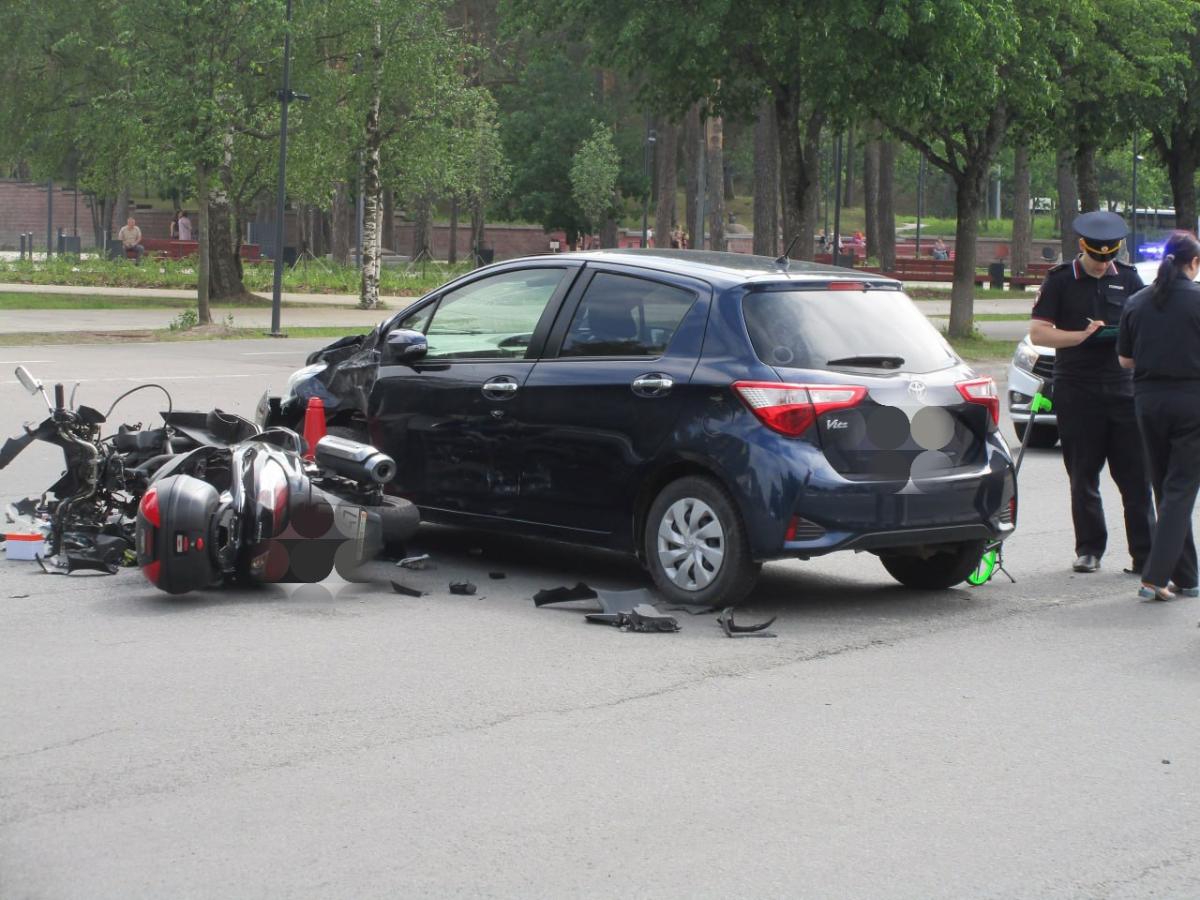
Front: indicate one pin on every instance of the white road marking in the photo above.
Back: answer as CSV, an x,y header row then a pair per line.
x,y
9,362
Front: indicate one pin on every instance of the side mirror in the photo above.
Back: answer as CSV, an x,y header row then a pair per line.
x,y
404,347
31,384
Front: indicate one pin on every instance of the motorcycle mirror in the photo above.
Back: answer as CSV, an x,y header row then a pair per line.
x,y
31,384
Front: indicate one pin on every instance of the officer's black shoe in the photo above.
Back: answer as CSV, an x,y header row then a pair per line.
x,y
1086,563
1135,567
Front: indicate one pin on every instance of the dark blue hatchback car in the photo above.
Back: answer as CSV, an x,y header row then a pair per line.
x,y
706,411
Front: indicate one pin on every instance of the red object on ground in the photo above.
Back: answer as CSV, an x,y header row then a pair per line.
x,y
314,425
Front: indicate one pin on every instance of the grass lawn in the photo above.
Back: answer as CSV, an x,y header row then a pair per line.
x,y
978,348
928,293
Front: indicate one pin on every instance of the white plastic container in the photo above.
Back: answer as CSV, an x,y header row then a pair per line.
x,y
24,546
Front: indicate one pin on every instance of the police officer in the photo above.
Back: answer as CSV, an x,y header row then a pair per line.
x,y
1077,312
1160,341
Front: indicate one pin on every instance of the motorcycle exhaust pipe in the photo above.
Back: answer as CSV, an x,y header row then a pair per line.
x,y
350,459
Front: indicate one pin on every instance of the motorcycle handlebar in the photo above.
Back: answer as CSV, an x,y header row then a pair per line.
x,y
58,398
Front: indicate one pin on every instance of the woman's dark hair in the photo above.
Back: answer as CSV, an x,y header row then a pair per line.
x,y
1179,250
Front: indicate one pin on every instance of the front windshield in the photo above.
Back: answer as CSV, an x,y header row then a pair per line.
x,y
855,329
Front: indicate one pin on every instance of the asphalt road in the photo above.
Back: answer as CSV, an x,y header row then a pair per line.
x,y
1036,739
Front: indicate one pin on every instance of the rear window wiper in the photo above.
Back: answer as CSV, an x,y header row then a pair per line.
x,y
871,362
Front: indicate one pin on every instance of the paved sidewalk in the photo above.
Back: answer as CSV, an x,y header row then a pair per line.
x,y
57,320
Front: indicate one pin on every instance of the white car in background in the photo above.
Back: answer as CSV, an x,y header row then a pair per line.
x,y
1033,367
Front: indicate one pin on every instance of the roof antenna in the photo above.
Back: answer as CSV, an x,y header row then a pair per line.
x,y
783,260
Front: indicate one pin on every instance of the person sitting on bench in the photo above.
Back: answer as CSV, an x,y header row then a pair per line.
x,y
130,237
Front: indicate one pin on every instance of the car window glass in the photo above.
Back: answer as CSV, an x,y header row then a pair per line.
x,y
419,320
807,329
493,317
624,316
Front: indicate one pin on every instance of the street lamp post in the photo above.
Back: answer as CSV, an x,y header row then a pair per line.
x,y
837,201
647,158
1133,239
920,201
285,97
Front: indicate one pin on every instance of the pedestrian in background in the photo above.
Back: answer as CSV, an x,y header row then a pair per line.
x,y
1160,341
185,226
1077,313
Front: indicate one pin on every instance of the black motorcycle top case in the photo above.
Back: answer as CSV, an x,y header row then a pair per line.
x,y
176,543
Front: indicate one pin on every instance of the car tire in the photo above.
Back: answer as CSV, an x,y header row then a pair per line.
x,y
937,572
1043,437
697,513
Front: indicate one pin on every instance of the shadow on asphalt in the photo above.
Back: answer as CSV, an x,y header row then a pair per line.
x,y
458,554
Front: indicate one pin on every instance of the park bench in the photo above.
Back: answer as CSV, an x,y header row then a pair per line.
x,y
168,249
929,270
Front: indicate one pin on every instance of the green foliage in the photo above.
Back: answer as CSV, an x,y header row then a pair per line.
x,y
315,278
184,321
594,172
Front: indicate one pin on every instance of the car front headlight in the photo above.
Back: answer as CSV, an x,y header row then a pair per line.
x,y
1025,357
302,375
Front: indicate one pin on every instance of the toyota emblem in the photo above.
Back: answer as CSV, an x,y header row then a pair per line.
x,y
916,390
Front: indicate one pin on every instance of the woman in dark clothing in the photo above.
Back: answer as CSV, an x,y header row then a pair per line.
x,y
1160,340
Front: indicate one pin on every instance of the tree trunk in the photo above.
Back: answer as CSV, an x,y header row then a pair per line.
x,y
666,178
1022,226
388,237
225,264
477,230
1068,202
693,140
969,198
608,234
887,205
848,191
766,182
798,155
422,229
343,219
871,189
1181,167
452,250
203,312
810,207
1086,178
124,206
368,291
715,171
727,180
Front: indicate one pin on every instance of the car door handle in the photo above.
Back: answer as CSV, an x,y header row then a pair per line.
x,y
653,385
501,387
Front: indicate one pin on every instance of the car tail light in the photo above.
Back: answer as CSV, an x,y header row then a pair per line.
x,y
846,286
790,409
982,391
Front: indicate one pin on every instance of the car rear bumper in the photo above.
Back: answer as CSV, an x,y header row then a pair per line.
x,y
1022,385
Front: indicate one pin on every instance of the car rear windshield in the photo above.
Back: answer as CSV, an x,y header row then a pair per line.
x,y
880,329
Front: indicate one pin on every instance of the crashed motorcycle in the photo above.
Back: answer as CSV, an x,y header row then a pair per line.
x,y
86,516
206,498
258,512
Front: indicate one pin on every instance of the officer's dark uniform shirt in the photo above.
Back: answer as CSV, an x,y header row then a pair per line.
x,y
1164,343
1068,298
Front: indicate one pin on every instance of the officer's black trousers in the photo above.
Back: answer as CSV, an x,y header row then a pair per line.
x,y
1169,419
1097,424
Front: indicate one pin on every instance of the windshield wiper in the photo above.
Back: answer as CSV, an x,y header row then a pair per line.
x,y
870,362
